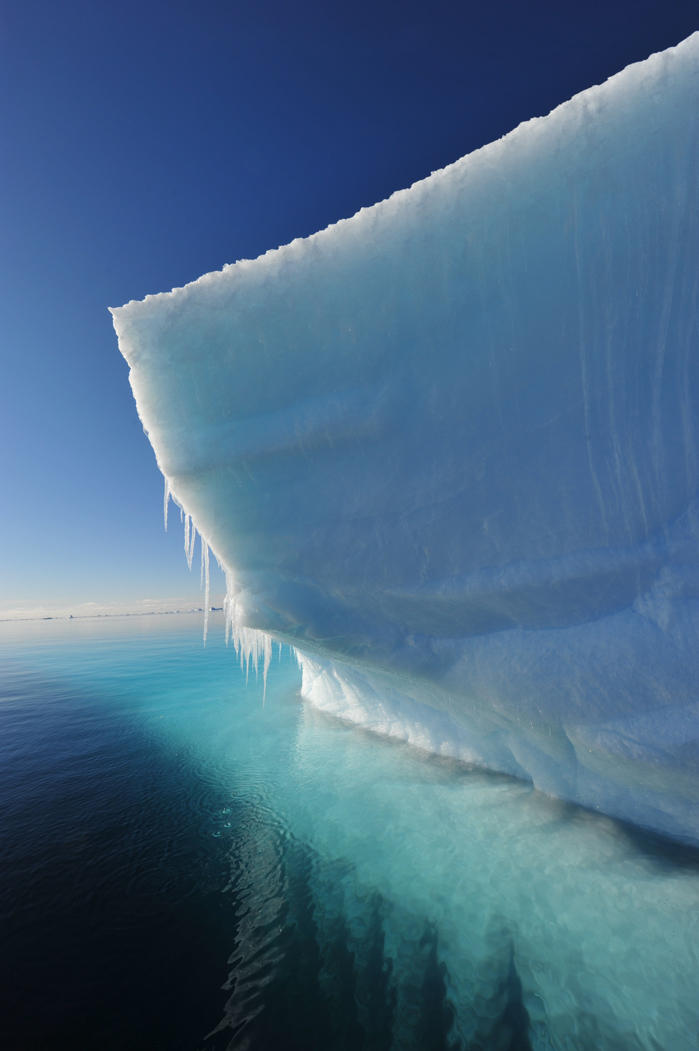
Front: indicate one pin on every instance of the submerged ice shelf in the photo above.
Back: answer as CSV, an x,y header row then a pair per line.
x,y
448,449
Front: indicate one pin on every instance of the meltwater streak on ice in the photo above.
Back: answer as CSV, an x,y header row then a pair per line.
x,y
447,448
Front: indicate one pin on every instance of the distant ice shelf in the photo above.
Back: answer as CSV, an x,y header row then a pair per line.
x,y
448,449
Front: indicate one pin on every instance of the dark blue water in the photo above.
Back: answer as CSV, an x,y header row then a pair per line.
x,y
185,867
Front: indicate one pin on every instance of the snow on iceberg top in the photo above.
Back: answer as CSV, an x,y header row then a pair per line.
x,y
620,89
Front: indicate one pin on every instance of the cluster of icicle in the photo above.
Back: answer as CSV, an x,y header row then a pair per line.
x,y
250,644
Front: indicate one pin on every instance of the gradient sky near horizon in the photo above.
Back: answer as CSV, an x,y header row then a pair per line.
x,y
145,144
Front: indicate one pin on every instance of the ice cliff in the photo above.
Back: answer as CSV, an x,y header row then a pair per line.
x,y
449,449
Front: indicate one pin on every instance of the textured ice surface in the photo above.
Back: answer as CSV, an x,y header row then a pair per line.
x,y
448,448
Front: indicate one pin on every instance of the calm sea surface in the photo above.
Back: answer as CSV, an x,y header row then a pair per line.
x,y
186,867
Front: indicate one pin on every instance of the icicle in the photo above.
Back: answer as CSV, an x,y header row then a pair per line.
x,y
267,649
192,538
166,502
252,646
227,618
205,549
201,569
190,535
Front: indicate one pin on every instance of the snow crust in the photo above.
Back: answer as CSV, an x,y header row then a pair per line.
x,y
448,449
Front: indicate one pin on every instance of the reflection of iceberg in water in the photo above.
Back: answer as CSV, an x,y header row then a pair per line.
x,y
448,449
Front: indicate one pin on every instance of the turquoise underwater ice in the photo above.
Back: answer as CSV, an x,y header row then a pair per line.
x,y
406,900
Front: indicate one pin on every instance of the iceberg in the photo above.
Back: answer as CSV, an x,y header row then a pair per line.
x,y
448,450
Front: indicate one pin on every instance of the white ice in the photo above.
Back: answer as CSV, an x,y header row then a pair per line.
x,y
448,449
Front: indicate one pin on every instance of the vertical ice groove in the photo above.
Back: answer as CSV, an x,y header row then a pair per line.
x,y
631,453
688,421
690,337
669,280
584,379
611,336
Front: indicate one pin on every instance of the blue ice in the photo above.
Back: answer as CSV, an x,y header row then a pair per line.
x,y
448,449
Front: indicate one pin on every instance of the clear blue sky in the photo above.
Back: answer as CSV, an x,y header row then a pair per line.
x,y
144,144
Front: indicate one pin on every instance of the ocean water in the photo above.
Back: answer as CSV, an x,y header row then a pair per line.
x,y
186,864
